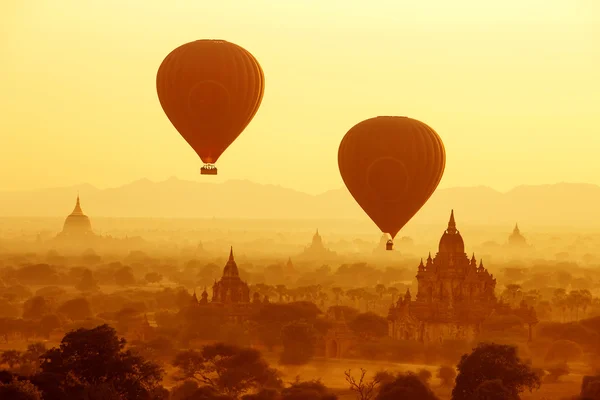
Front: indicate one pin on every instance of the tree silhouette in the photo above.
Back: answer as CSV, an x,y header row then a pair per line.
x,y
365,390
76,309
299,341
406,387
87,283
10,358
88,357
310,390
19,390
230,370
493,390
369,326
36,307
490,361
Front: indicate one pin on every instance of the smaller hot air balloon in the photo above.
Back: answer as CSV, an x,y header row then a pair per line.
x,y
210,91
391,166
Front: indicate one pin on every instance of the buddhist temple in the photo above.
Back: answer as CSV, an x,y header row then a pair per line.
x,y
77,224
516,239
230,288
454,295
230,296
317,250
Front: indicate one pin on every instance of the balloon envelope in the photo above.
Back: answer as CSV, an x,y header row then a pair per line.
x,y
210,90
391,166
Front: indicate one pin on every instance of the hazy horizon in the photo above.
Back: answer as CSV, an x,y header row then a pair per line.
x,y
201,179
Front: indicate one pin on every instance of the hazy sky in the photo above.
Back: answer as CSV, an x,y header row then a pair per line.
x,y
512,87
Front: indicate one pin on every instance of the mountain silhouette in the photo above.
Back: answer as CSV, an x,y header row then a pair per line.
x,y
562,204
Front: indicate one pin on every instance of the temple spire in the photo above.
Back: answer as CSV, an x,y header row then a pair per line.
x,y
231,253
452,223
77,210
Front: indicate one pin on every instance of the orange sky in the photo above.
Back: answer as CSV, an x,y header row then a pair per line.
x,y
512,87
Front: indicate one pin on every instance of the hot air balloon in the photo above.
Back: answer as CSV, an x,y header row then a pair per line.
x,y
210,91
391,166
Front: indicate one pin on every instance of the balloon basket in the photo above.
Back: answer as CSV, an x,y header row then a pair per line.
x,y
389,245
208,169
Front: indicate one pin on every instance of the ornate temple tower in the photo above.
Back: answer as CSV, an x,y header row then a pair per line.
x,y
230,289
454,294
77,224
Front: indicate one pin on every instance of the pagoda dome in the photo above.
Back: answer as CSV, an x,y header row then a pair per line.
x,y
77,222
451,241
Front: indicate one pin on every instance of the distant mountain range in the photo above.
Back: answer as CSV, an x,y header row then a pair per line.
x,y
562,204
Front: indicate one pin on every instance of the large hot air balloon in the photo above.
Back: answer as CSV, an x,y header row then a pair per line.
x,y
391,166
210,90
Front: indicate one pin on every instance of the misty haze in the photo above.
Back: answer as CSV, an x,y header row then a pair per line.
x,y
300,200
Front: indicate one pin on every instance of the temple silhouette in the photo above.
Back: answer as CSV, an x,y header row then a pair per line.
x,y
516,239
77,235
230,296
77,224
317,250
455,295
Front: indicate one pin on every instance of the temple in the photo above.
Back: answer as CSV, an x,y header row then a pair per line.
x,y
516,239
454,295
317,250
230,296
230,288
77,224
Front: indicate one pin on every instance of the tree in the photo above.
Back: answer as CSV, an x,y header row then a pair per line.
x,y
424,375
380,289
337,292
87,282
88,357
406,387
184,390
559,300
590,388
369,325
299,341
493,390
153,277
272,317
365,390
47,324
512,294
76,309
124,276
265,394
230,370
10,358
30,359
36,307
446,375
19,390
489,361
310,390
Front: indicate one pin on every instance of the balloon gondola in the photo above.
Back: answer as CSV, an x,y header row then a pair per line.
x,y
389,245
391,166
210,90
